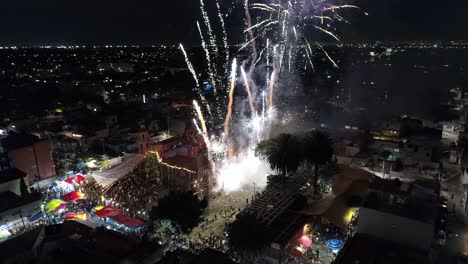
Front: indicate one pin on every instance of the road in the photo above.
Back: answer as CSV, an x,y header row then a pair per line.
x,y
457,219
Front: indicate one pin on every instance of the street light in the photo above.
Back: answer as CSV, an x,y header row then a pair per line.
x,y
254,193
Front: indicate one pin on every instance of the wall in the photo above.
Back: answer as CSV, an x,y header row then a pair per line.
x,y
395,228
15,213
12,186
142,139
23,159
43,150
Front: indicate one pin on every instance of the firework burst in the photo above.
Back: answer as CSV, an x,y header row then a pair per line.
x,y
283,26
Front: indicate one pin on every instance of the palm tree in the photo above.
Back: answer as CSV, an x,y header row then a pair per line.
x,y
317,150
283,153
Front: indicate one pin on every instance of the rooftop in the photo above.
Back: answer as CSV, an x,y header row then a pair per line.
x,y
98,245
417,200
9,200
363,249
16,141
180,256
274,201
275,209
10,175
21,244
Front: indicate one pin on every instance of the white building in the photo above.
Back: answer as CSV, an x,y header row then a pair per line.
x,y
452,132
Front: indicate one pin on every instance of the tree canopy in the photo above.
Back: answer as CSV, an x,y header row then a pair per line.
x,y
182,207
318,150
282,153
287,152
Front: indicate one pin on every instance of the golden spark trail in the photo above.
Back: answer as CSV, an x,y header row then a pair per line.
x,y
249,94
229,110
200,116
231,95
272,87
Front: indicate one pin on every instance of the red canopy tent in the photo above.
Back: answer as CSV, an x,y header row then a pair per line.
x,y
78,178
127,220
304,243
107,212
72,196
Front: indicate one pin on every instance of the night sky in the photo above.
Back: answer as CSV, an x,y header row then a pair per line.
x,y
54,22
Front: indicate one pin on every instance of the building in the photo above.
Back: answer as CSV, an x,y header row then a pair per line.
x,y
387,130
286,226
70,242
365,249
17,205
31,155
5,162
184,160
206,256
24,248
400,212
141,137
117,146
452,132
344,151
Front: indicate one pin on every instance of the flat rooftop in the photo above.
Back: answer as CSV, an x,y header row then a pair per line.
x,y
416,200
11,175
363,249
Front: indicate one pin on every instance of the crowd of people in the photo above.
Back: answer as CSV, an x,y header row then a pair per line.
x,y
137,192
351,228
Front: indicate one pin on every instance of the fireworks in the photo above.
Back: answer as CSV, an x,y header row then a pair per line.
x,y
247,88
281,25
208,57
231,98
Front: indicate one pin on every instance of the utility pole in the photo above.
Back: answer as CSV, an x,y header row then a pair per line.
x,y
383,169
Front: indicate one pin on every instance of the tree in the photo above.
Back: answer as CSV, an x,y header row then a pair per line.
x,y
164,229
329,171
182,207
317,150
247,237
152,166
92,191
398,165
282,153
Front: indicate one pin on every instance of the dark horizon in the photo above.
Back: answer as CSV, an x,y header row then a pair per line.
x,y
32,23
